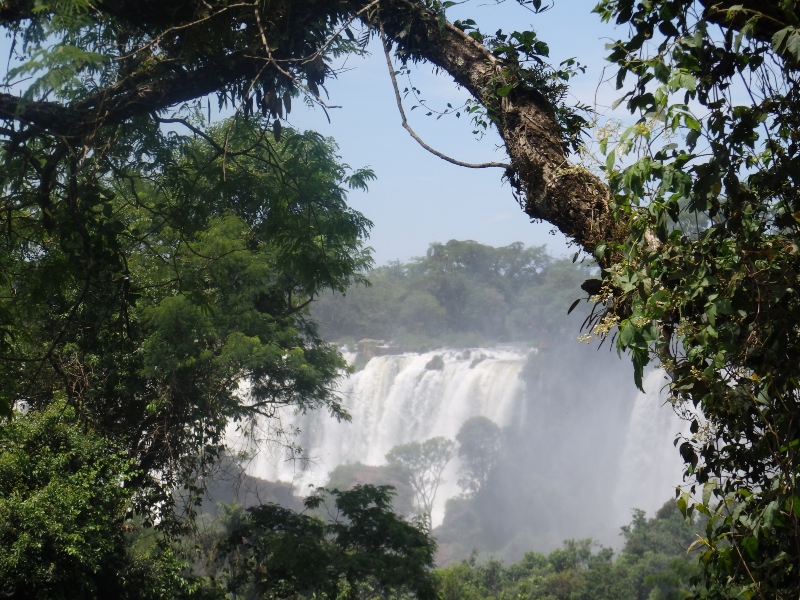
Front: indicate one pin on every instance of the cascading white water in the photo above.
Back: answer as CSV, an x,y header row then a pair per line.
x,y
395,400
400,398
650,466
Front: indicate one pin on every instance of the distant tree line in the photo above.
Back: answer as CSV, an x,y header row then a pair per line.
x,y
653,565
461,293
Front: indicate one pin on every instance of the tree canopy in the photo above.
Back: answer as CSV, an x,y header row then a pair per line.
x,y
461,293
50,473
716,93
653,563
364,551
161,287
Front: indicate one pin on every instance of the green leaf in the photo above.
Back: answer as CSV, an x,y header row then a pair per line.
x,y
787,42
682,79
793,505
691,122
750,544
683,503
708,489
626,334
600,250
610,161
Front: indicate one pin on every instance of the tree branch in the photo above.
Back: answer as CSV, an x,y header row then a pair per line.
x,y
411,132
566,195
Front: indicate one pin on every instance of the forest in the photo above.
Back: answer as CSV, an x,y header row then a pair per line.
x,y
155,263
462,294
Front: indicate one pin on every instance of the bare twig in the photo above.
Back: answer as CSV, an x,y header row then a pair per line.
x,y
331,38
411,132
194,130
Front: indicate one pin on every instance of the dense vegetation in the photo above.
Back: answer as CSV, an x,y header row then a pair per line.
x,y
653,565
67,490
188,274
126,341
714,86
461,294
68,530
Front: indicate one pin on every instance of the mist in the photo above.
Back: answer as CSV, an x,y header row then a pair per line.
x,y
467,331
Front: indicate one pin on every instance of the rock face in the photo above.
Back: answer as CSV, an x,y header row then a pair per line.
x,y
368,349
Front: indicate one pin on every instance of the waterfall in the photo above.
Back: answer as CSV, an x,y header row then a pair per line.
x,y
399,399
592,432
650,466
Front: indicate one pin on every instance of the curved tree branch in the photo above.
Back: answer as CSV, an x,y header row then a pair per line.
x,y
411,132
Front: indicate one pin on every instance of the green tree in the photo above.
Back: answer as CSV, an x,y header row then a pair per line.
x,y
192,274
460,293
479,443
421,313
68,531
347,476
653,564
184,269
366,551
65,497
420,465
716,305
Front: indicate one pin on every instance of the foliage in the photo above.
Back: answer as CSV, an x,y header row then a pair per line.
x,y
65,497
347,476
77,54
62,502
717,305
479,444
191,276
364,548
653,564
420,465
462,293
525,57
67,531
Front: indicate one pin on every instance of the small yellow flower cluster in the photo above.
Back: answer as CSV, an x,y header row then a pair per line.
x,y
697,372
608,323
606,294
706,432
685,329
